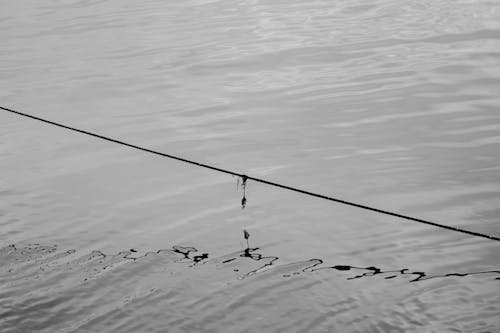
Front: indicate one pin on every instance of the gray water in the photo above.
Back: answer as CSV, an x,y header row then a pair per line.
x,y
394,104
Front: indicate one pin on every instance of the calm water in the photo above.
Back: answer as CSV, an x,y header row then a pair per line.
x,y
394,104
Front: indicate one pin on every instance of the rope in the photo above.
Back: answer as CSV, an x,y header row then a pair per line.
x,y
255,179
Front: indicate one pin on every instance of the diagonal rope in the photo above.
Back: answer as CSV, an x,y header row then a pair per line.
x,y
255,179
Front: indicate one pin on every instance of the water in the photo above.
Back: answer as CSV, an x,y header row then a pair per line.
x,y
388,103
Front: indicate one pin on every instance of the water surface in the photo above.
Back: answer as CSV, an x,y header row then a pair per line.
x,y
392,104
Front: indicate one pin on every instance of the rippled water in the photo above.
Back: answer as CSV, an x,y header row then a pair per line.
x,y
394,104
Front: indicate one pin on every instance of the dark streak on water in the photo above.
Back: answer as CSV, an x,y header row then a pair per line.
x,y
44,275
12,259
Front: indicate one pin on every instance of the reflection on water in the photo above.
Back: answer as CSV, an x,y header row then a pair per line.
x,y
39,282
372,271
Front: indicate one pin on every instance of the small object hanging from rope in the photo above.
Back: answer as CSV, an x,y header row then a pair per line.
x,y
244,187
